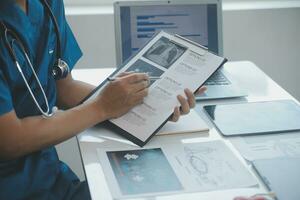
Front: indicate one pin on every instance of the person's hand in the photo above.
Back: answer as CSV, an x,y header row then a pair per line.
x,y
185,103
122,94
250,198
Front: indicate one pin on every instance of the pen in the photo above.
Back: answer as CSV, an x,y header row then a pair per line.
x,y
151,78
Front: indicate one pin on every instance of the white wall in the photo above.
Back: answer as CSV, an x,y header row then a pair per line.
x,y
268,37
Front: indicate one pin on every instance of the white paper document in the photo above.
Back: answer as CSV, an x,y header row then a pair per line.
x,y
173,168
268,146
180,64
190,123
209,166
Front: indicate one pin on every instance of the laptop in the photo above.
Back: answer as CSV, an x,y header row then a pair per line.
x,y
198,20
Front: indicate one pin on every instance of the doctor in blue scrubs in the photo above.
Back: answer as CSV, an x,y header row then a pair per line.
x,y
29,165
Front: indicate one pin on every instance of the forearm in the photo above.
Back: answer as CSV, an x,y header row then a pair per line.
x,y
19,137
23,136
72,92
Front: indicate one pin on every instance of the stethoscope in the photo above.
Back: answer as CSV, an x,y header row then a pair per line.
x,y
60,69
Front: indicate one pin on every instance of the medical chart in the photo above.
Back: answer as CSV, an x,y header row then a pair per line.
x,y
180,64
172,169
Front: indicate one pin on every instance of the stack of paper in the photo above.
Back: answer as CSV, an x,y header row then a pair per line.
x,y
190,123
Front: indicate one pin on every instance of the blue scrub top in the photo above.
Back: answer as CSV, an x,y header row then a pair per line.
x,y
39,175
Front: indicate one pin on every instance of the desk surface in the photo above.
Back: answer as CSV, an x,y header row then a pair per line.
x,y
246,74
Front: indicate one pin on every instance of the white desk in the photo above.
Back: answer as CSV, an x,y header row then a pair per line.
x,y
247,75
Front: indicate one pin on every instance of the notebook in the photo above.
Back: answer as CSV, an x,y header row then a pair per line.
x,y
190,123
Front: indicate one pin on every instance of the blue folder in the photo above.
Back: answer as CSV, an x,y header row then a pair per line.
x,y
281,175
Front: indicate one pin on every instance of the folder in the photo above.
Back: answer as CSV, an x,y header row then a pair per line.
x,y
281,175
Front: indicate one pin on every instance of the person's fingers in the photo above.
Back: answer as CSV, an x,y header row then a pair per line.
x,y
184,105
201,90
125,74
140,86
176,115
137,77
141,94
190,98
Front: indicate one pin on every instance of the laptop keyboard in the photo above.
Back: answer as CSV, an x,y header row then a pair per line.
x,y
218,78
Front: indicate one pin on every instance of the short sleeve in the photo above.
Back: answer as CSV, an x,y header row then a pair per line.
x,y
71,52
5,96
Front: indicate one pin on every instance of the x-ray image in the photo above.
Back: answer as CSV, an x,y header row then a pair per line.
x,y
142,67
164,52
143,171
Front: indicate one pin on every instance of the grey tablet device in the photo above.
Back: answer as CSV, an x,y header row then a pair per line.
x,y
255,118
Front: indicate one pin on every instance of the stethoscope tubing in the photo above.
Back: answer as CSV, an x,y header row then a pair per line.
x,y
56,28
46,113
16,40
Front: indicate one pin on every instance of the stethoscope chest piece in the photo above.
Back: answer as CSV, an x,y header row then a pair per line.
x,y
60,69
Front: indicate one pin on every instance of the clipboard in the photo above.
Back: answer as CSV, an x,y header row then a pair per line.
x,y
128,135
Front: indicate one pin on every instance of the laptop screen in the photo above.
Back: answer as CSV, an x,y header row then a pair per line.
x,y
138,23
